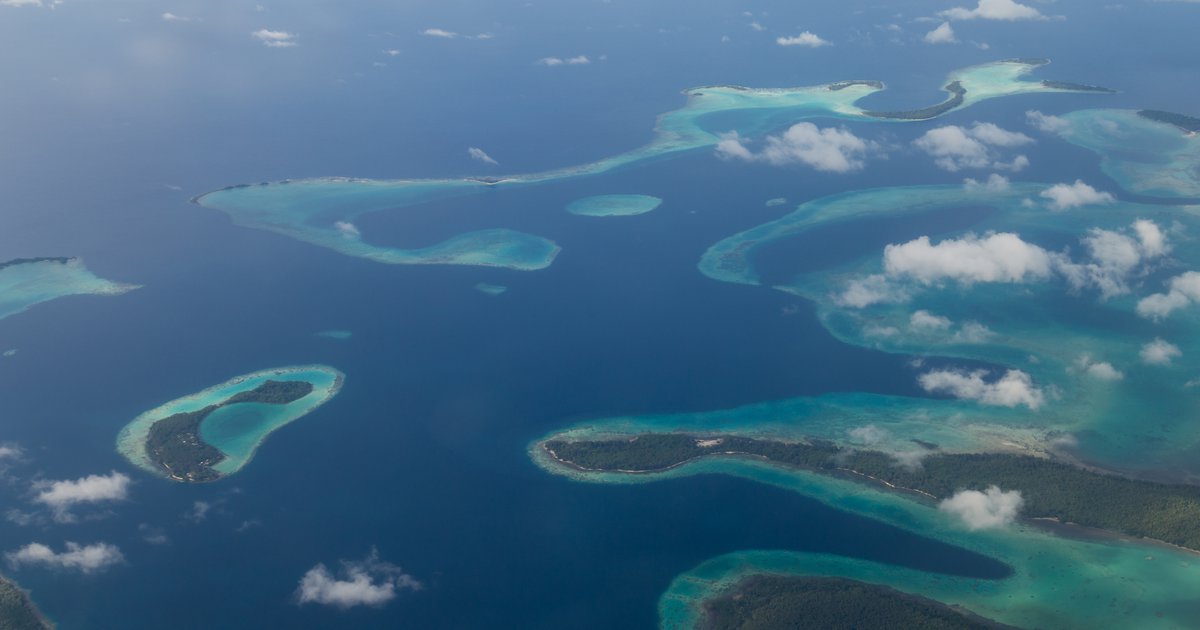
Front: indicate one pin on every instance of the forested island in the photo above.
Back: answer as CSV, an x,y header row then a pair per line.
x,y
1187,123
175,445
25,261
958,94
768,602
1051,489
1077,87
17,611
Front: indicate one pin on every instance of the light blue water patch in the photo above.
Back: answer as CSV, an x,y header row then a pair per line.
x,y
491,289
1142,155
613,205
340,335
322,211
25,284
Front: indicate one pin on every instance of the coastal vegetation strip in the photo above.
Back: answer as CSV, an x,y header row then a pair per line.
x,y
1190,124
762,602
174,442
17,611
1051,489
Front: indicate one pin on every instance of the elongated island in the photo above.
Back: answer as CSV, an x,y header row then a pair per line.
x,y
215,433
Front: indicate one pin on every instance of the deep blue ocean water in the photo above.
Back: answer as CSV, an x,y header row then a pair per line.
x,y
422,455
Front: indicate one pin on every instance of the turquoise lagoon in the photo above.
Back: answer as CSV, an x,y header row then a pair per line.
x,y
1135,415
236,430
322,211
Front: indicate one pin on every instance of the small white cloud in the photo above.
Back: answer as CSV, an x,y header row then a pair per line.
x,y
62,496
872,289
559,61
925,321
1184,289
275,39
830,150
982,510
86,559
347,229
20,3
200,509
995,183
808,39
1115,257
1067,196
943,34
1011,390
1159,352
994,10
392,52
997,257
955,148
479,154
1100,370
550,61
1046,122
578,60
972,332
869,435
10,452
758,27
438,32
369,582
171,17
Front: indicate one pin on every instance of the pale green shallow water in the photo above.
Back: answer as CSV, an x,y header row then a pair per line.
x,y
1143,422
1143,156
239,429
25,285
613,205
322,211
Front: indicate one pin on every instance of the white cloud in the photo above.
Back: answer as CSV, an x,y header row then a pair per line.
x,y
559,61
943,34
1067,196
995,183
997,257
926,321
369,582
809,39
994,10
153,535
1184,289
10,452
479,154
981,510
86,559
873,289
1013,389
869,435
1100,370
1159,352
1115,256
437,32
972,332
347,229
20,3
275,39
61,496
1046,122
955,148
758,27
830,150
171,17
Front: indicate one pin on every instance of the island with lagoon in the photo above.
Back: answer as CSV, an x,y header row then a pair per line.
x,y
210,435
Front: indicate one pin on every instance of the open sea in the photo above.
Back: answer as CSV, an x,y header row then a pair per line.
x,y
105,135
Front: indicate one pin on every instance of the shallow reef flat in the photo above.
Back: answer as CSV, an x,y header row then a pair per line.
x,y
26,282
613,205
322,211
1144,155
17,610
228,421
